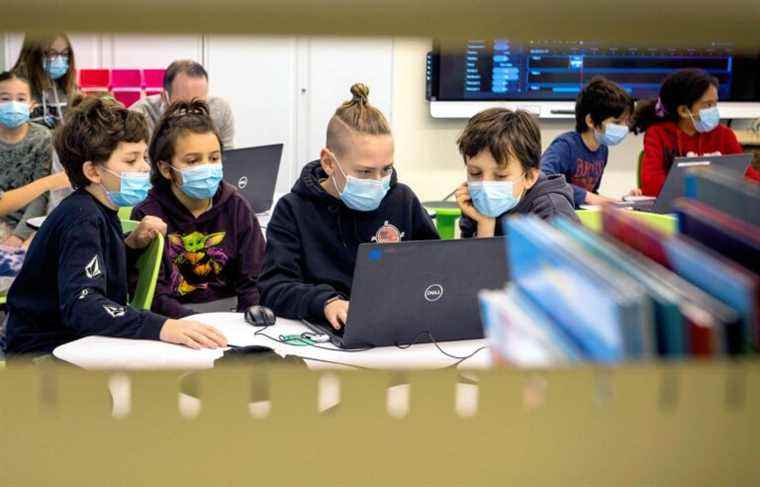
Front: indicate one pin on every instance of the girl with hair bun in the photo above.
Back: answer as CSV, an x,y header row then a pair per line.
x,y
214,245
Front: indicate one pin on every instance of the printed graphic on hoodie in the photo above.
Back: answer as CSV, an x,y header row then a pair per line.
x,y
388,233
196,258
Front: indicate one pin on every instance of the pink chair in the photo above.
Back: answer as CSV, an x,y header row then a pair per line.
x,y
153,80
126,78
127,97
94,79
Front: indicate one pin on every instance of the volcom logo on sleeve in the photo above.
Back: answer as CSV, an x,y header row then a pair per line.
x,y
93,268
115,311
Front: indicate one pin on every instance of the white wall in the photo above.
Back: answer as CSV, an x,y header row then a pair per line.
x,y
258,77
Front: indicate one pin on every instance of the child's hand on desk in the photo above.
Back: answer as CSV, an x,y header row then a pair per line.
x,y
464,201
192,334
336,312
146,231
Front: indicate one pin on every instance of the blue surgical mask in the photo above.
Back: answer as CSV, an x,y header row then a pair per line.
x,y
133,188
56,66
201,182
613,134
362,194
493,198
709,118
14,114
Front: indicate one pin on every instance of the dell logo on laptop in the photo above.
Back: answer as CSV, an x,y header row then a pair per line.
x,y
434,292
243,182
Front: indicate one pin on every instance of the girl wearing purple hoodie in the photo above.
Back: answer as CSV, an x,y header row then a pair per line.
x,y
214,245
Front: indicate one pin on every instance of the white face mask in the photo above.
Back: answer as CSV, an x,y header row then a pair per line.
x,y
362,194
494,198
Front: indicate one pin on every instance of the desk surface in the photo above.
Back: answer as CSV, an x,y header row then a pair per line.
x,y
96,352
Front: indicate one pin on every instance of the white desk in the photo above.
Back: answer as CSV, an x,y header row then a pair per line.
x,y
97,352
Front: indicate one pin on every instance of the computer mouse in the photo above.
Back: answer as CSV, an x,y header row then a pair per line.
x,y
259,316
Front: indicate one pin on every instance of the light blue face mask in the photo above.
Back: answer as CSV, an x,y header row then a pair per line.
x,y
201,182
13,114
56,66
709,118
493,198
133,188
362,194
613,134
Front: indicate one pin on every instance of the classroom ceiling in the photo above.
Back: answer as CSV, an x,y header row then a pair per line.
x,y
641,22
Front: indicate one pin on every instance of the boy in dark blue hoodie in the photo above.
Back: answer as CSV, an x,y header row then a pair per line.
x,y
348,197
74,280
501,151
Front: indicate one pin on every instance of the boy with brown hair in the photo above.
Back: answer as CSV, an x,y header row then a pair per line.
x,y
502,153
74,280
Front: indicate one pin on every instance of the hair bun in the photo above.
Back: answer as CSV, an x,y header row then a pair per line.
x,y
182,108
360,93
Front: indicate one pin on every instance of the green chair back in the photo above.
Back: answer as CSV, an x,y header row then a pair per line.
x,y
593,220
148,266
445,221
125,212
128,225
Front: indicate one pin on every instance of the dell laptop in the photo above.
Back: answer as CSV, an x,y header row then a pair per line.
x,y
419,291
253,171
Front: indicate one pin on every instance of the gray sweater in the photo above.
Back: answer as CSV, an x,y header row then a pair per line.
x,y
221,114
20,164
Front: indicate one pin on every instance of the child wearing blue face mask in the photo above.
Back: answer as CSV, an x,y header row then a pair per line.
x,y
683,121
502,151
73,282
25,156
602,110
48,63
348,197
214,245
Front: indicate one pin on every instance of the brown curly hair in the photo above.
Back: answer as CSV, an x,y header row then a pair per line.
x,y
92,130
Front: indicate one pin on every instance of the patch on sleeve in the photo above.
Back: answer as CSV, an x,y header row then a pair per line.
x,y
115,311
92,270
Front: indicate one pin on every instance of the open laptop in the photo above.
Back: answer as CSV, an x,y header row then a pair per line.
x,y
253,171
674,188
418,292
